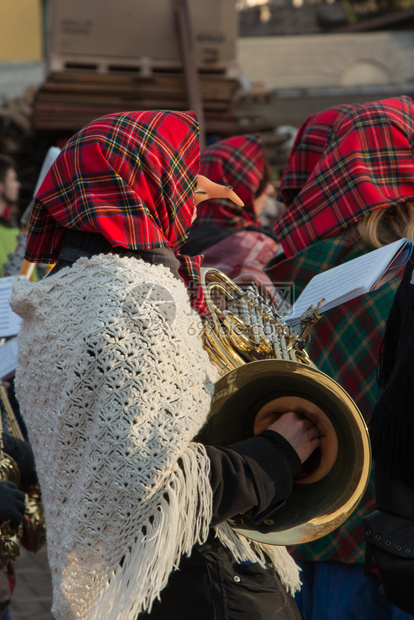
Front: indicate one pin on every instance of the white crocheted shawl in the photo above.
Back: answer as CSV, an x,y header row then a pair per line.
x,y
114,384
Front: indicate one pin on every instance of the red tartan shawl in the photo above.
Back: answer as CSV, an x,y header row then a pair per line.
x,y
129,177
346,162
236,161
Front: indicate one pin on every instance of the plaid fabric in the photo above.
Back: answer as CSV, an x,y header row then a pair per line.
x,y
346,162
345,345
236,161
241,256
129,177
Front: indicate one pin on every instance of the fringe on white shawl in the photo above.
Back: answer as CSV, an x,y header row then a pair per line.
x,y
278,557
180,521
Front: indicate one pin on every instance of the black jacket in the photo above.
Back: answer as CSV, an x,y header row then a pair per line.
x,y
209,585
247,477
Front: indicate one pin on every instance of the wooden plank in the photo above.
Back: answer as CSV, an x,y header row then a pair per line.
x,y
69,99
218,88
88,77
108,64
208,90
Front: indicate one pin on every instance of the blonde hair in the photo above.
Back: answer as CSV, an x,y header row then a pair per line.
x,y
384,226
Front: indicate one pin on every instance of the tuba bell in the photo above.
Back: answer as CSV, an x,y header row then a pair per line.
x,y
266,371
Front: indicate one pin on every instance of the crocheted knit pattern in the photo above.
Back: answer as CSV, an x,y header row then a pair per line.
x,y
112,402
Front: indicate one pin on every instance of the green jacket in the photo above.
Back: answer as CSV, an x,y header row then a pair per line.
x,y
8,243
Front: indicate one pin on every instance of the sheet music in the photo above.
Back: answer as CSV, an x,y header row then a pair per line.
x,y
8,357
9,321
351,279
51,155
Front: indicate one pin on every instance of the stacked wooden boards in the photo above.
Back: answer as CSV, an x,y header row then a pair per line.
x,y
69,99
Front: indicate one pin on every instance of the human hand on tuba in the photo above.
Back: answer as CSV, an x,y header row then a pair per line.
x,y
302,423
300,432
306,427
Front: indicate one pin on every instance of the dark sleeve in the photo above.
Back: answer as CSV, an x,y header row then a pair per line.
x,y
21,452
392,422
12,506
252,477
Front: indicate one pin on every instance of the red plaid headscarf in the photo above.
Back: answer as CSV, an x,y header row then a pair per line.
x,y
129,177
236,161
346,162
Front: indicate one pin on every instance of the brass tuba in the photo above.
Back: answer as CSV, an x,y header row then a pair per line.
x,y
9,545
32,531
265,368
